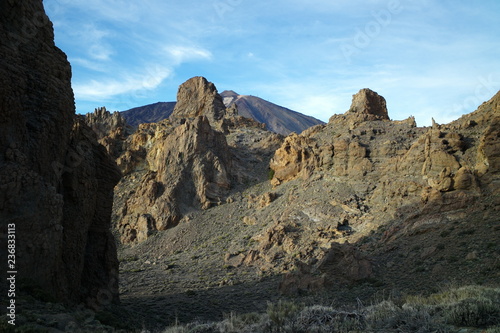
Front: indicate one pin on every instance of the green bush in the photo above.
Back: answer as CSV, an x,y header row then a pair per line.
x,y
282,311
270,174
473,312
407,318
322,319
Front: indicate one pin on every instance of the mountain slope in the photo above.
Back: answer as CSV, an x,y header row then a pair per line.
x,y
277,118
151,113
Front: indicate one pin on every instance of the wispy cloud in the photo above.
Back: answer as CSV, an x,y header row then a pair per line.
x,y
109,88
180,54
426,58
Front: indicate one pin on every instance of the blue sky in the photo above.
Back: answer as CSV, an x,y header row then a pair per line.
x,y
428,58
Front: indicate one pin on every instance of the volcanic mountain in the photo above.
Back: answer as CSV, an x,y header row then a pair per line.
x,y
278,119
151,113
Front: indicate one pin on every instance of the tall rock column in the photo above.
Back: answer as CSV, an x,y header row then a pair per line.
x,y
56,181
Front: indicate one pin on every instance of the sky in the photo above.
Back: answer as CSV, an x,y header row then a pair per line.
x,y
429,58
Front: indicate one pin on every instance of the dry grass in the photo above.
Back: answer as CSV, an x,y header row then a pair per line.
x,y
449,311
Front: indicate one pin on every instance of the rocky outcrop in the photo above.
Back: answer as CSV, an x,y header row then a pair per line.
x,y
111,129
56,181
198,97
188,169
368,105
489,149
392,170
103,122
188,163
342,264
343,152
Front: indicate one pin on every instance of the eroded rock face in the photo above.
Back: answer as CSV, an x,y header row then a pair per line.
x,y
489,148
369,105
104,122
418,178
366,105
342,264
56,181
186,170
197,97
111,129
188,163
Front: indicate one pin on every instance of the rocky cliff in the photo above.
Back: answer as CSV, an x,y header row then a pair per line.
x,y
197,97
187,169
56,181
353,208
381,174
187,163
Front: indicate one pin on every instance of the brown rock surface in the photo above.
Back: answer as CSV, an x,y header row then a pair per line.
x,y
394,170
198,97
187,169
56,182
176,167
369,105
367,207
342,264
111,129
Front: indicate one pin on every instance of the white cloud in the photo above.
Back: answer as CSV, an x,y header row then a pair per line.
x,y
426,61
95,66
180,54
101,90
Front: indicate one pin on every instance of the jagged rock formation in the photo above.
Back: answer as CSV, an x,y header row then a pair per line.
x,y
395,171
346,152
356,208
189,169
277,119
274,117
103,122
198,97
368,105
111,129
174,167
56,181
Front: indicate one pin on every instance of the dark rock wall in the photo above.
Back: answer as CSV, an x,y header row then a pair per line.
x,y
56,181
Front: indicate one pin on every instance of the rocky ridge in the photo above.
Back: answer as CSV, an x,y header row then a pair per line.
x,y
350,210
276,118
357,206
56,181
187,163
151,113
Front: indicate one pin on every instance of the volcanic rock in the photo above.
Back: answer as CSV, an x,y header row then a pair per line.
x,y
187,169
369,105
111,129
56,181
198,97
276,118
